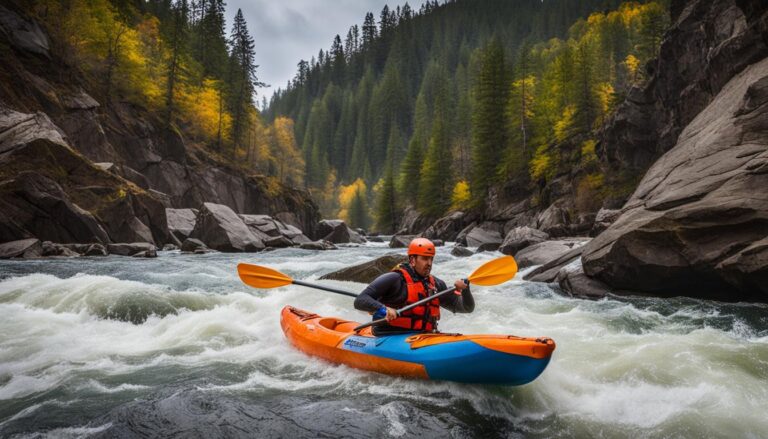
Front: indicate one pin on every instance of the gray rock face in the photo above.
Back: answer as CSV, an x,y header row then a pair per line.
x,y
221,229
131,249
708,43
181,222
23,248
401,241
485,233
554,221
548,272
603,219
573,281
520,238
34,205
24,35
700,208
367,271
337,232
448,227
542,253
267,228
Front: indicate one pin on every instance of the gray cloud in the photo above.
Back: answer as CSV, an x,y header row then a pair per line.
x,y
287,31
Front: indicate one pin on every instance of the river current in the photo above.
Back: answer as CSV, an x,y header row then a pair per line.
x,y
178,346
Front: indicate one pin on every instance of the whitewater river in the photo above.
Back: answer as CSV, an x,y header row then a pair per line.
x,y
178,346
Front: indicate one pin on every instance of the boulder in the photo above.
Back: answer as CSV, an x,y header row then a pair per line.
x,y
488,247
170,247
413,222
131,249
192,245
367,271
278,242
485,233
548,272
448,227
573,281
520,238
95,250
699,207
438,242
318,245
221,229
374,239
53,249
461,251
748,268
542,253
23,248
152,253
292,233
401,241
554,220
181,222
337,232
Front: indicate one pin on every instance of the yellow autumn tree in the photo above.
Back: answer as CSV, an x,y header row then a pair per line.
x,y
288,159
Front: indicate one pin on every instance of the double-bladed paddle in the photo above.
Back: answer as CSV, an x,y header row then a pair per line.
x,y
493,272
263,277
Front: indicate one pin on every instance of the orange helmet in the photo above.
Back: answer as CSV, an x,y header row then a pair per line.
x,y
421,246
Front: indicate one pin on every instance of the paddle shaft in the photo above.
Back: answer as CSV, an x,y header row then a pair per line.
x,y
320,287
409,307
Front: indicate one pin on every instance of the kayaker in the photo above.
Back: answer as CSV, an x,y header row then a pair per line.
x,y
408,283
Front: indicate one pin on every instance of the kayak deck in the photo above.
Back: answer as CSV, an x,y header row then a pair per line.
x,y
492,359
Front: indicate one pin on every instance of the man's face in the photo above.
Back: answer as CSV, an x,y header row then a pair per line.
x,y
422,264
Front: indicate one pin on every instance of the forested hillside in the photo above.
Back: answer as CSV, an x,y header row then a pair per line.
x,y
180,61
439,108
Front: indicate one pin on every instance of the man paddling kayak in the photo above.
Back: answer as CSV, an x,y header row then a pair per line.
x,y
407,284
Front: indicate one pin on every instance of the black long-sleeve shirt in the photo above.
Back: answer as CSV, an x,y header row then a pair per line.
x,y
390,289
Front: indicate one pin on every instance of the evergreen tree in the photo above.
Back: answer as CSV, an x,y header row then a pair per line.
x,y
436,185
387,212
410,172
177,41
489,120
358,210
242,76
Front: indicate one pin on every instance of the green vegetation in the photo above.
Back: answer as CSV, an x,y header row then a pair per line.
x,y
467,93
173,58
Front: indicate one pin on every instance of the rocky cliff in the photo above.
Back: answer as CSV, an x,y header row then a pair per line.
x,y
697,224
75,170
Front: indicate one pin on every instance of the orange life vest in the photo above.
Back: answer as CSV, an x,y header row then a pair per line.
x,y
423,317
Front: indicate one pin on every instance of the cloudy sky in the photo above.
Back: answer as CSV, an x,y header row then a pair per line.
x,y
286,31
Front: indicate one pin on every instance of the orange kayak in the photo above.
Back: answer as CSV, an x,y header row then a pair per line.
x,y
489,359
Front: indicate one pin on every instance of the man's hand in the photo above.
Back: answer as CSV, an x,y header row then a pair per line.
x,y
461,284
385,312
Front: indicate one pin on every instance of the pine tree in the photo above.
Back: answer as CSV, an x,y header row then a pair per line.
x,y
177,41
436,184
386,207
410,172
489,120
242,76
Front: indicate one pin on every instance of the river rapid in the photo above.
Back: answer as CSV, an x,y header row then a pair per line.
x,y
178,346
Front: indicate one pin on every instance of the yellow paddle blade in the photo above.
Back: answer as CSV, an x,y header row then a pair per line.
x,y
262,277
494,272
